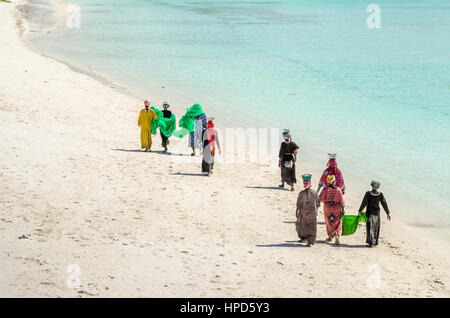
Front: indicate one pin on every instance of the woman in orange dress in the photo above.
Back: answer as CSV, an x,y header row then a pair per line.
x,y
333,209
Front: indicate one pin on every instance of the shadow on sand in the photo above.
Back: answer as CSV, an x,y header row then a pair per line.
x,y
188,174
346,245
267,188
298,244
154,151
293,222
289,244
129,150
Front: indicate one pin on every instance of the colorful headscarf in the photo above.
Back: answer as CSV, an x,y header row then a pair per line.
x,y
332,163
307,184
331,179
306,181
332,169
211,134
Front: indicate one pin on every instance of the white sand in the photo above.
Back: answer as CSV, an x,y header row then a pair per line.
x,y
137,228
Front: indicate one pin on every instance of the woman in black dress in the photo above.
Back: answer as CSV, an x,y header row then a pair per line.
x,y
372,200
288,157
167,114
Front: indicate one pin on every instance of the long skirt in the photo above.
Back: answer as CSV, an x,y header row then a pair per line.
x,y
165,140
288,174
372,229
306,227
333,219
208,160
146,138
196,137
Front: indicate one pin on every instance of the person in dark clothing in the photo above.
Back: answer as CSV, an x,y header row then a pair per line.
x,y
287,159
166,114
372,200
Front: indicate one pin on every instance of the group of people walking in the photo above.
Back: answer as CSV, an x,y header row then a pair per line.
x,y
330,192
202,134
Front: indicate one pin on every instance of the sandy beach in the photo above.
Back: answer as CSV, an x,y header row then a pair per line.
x,y
76,190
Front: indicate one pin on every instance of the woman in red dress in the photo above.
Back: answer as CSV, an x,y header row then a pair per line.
x,y
333,209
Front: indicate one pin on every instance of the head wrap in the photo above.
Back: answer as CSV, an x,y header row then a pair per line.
x,y
286,134
331,179
332,163
375,184
211,134
166,105
146,103
332,155
306,181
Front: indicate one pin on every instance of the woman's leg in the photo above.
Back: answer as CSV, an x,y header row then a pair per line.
x,y
326,213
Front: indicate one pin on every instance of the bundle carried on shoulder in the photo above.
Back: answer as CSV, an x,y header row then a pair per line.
x,y
350,223
187,121
166,125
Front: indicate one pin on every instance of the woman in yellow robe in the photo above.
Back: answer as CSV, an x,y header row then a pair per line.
x,y
145,122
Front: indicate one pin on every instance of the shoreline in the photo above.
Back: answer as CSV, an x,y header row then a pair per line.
x,y
403,207
125,112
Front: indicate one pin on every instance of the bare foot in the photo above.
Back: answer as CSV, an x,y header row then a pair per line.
x,y
337,241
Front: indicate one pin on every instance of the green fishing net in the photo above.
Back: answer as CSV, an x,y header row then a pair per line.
x,y
168,126
165,125
350,223
187,121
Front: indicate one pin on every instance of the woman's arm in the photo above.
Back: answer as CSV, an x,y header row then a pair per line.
x,y
363,203
385,206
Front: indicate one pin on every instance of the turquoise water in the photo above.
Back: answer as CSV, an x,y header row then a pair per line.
x,y
378,97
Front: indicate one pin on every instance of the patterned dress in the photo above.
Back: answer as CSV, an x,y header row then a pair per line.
x,y
196,137
306,225
332,210
332,171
